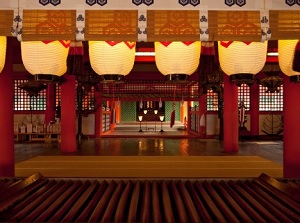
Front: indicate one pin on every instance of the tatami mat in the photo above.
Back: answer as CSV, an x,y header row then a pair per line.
x,y
148,166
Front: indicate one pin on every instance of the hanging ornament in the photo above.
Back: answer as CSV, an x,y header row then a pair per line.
x,y
160,103
242,60
177,60
46,60
182,102
112,60
2,52
296,61
286,54
141,104
75,58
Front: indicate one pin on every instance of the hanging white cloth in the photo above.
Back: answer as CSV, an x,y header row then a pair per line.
x,y
202,120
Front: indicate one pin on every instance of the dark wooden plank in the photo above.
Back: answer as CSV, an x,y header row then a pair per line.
x,y
231,202
156,207
180,208
286,200
18,185
78,206
63,210
21,199
281,211
101,206
6,183
133,207
146,202
212,207
230,216
190,207
32,209
203,213
68,190
243,203
86,213
121,208
292,184
292,192
253,202
167,207
41,211
113,202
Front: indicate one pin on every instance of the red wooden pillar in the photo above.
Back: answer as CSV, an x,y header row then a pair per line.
x,y
7,162
291,121
118,111
68,114
50,103
231,126
254,111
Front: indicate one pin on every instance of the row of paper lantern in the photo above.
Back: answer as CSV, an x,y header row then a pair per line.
x,y
171,57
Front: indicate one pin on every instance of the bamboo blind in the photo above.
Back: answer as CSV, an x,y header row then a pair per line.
x,y
6,21
49,25
111,25
285,24
234,25
173,25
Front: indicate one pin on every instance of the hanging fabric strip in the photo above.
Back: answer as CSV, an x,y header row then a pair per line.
x,y
142,26
80,24
203,23
19,17
265,25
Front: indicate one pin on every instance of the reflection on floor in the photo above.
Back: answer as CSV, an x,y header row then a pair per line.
x,y
149,129
132,146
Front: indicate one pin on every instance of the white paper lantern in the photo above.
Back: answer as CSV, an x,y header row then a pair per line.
x,y
176,60
45,58
112,60
2,52
286,52
242,60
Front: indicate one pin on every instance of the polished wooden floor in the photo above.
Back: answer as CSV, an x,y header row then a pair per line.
x,y
128,141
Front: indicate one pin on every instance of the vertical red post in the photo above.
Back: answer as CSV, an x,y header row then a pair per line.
x,y
254,111
291,122
50,103
7,162
231,126
68,114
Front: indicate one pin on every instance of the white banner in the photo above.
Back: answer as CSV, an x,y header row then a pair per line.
x,y
235,5
142,4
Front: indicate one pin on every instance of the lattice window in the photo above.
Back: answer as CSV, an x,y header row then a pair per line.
x,y
211,101
244,95
22,101
270,101
88,102
58,95
88,98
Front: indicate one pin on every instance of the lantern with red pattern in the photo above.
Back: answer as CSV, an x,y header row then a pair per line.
x,y
242,60
287,58
112,60
2,52
177,60
45,59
